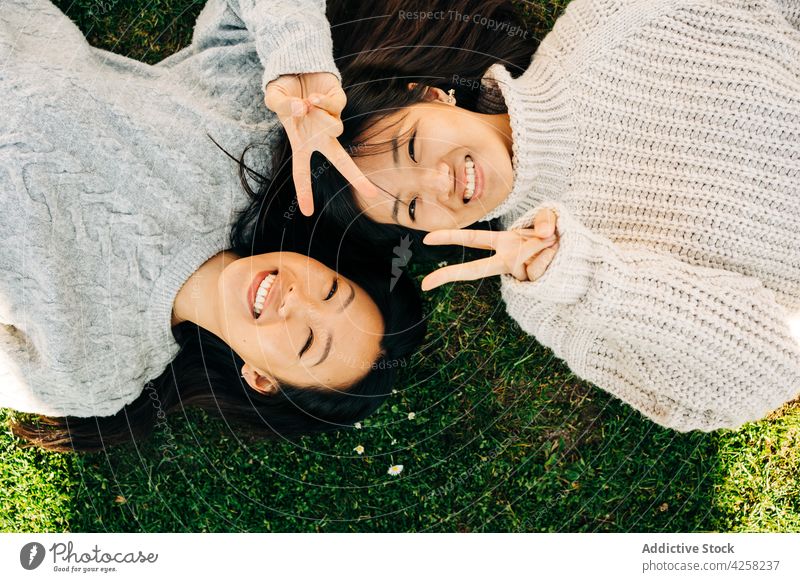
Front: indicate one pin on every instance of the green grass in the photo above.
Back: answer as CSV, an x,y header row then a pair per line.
x,y
505,438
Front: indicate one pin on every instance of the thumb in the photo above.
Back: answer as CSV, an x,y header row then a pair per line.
x,y
333,103
544,224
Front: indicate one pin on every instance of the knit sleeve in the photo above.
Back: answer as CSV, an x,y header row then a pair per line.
x,y
291,36
690,347
13,390
19,365
790,10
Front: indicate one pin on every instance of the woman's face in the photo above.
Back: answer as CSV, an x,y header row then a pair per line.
x,y
293,319
450,167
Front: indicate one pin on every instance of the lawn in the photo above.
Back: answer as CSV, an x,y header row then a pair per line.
x,y
493,432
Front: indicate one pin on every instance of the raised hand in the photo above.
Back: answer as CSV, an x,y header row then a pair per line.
x,y
310,106
523,253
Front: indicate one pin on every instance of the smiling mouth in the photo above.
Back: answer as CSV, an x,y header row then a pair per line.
x,y
469,179
260,293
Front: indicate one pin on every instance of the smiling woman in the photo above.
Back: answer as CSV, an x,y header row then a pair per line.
x,y
642,163
290,318
419,122
128,258
451,166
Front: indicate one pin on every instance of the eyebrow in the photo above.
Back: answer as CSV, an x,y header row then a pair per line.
x,y
326,351
349,300
395,147
395,205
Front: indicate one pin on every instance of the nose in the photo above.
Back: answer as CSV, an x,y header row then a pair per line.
x,y
439,182
294,301
300,305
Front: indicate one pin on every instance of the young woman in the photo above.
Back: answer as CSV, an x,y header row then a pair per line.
x,y
645,164
116,238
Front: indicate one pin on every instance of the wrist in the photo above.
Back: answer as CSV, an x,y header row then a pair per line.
x,y
305,77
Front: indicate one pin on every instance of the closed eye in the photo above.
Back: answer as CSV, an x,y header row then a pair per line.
x,y
334,288
411,146
308,343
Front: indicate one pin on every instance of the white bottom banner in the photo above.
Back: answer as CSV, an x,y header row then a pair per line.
x,y
389,557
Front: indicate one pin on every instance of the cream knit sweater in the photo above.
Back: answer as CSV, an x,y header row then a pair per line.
x,y
666,136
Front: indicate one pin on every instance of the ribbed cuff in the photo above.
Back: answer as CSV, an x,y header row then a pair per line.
x,y
172,278
569,275
302,49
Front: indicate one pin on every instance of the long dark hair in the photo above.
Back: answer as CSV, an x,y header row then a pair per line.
x,y
206,372
443,44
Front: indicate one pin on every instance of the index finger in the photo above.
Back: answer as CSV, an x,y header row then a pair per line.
x,y
478,239
342,161
464,272
301,172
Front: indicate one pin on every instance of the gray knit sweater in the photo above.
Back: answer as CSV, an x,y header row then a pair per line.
x,y
113,194
666,136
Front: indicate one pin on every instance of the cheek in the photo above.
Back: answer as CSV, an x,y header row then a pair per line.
x,y
499,168
437,217
232,309
262,349
440,218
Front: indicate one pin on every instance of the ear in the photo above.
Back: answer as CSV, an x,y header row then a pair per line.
x,y
434,94
260,381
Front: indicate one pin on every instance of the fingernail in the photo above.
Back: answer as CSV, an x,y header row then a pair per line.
x,y
315,100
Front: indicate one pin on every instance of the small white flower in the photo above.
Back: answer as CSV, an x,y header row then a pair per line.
x,y
357,425
395,469
394,441
412,415
441,264
394,391
359,449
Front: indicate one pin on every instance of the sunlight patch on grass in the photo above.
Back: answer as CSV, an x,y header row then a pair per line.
x,y
759,489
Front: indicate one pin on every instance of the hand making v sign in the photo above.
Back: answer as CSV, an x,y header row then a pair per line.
x,y
310,106
523,253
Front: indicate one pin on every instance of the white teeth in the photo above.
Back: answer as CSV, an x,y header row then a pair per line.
x,y
261,294
469,191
